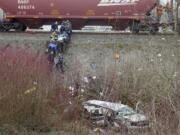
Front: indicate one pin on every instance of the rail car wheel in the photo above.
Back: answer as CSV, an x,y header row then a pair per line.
x,y
24,28
20,27
153,30
135,26
1,28
5,27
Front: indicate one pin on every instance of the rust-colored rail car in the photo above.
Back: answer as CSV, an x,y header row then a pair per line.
x,y
35,13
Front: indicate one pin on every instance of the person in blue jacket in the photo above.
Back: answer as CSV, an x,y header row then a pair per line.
x,y
54,26
52,50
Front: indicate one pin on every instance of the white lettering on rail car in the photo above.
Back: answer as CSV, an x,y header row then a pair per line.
x,y
23,1
117,2
25,5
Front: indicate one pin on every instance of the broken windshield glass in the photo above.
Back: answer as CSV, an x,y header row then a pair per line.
x,y
126,111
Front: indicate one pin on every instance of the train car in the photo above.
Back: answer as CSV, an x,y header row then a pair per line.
x,y
35,13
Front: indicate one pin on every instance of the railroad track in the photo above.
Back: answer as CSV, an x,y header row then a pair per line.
x,y
92,32
119,32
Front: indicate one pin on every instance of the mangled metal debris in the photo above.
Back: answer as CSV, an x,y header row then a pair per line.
x,y
93,66
88,79
109,114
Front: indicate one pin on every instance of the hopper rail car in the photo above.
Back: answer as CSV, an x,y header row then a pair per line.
x,y
119,14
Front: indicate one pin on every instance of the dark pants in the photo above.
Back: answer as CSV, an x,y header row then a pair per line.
x,y
60,66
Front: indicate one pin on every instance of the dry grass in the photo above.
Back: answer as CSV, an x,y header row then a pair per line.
x,y
32,98
149,74
24,87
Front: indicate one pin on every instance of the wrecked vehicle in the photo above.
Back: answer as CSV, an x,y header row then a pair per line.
x,y
102,113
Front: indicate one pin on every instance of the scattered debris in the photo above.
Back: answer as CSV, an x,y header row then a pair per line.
x,y
152,60
160,30
71,88
170,29
102,131
116,56
34,88
159,55
93,66
30,90
70,102
101,94
82,90
35,83
140,69
85,79
119,73
94,77
175,74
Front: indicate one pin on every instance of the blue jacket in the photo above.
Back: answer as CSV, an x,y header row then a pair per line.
x,y
53,47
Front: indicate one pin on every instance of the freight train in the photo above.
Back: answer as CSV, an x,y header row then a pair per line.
x,y
120,14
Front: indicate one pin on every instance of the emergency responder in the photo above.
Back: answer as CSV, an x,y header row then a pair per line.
x,y
159,12
68,28
52,50
54,26
68,23
62,28
60,63
54,36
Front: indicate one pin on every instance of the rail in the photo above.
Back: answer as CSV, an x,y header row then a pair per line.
x,y
92,32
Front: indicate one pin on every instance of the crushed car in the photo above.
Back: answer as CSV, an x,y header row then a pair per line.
x,y
102,113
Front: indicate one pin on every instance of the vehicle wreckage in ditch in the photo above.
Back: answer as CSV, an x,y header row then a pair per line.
x,y
108,114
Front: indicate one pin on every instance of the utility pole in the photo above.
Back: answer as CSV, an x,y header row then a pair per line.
x,y
172,7
172,3
158,2
177,27
172,10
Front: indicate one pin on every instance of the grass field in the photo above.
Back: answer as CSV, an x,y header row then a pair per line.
x,y
128,68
